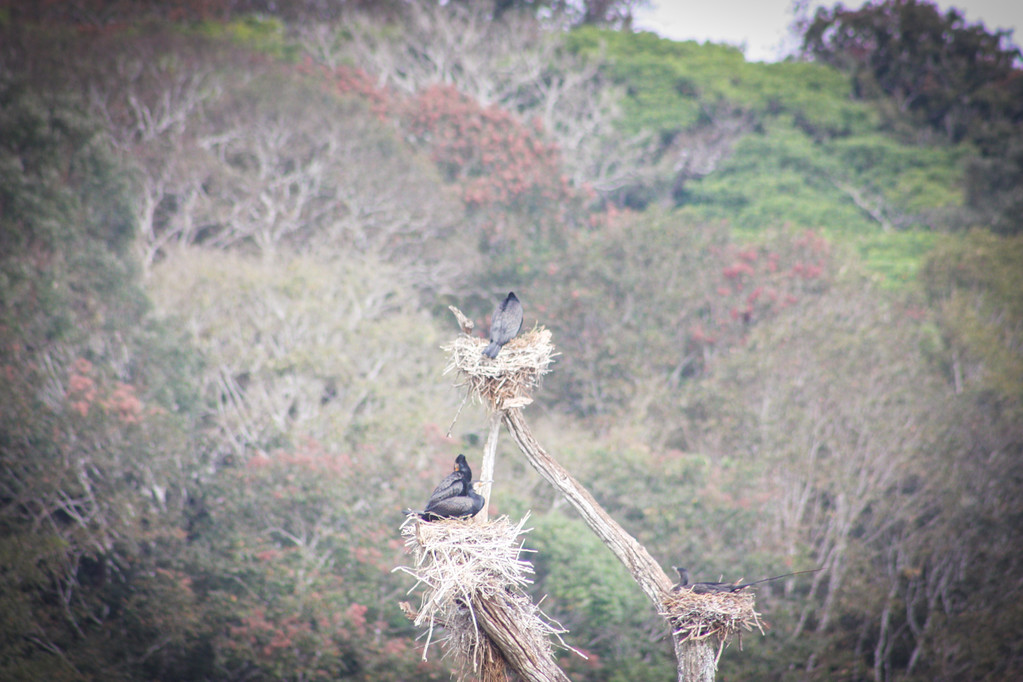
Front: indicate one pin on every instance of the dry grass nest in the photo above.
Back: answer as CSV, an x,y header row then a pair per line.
x,y
458,563
508,380
718,615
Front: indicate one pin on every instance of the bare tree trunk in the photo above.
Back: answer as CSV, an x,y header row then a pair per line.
x,y
696,661
501,626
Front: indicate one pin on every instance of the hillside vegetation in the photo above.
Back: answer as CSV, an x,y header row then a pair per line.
x,y
786,299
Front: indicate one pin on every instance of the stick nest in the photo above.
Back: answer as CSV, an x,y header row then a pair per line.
x,y
719,615
509,379
461,563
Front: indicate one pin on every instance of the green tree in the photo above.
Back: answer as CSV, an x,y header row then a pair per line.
x,y
924,68
932,65
975,283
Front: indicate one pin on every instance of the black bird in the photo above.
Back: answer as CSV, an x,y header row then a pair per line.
x,y
454,496
716,588
505,323
455,507
453,485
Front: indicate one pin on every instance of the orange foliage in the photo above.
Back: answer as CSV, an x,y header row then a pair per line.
x,y
773,287
491,155
83,392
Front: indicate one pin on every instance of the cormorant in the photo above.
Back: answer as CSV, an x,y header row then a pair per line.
x,y
454,497
716,588
453,484
505,323
455,507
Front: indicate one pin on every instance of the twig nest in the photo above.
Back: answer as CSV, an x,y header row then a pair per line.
x,y
718,615
457,558
461,563
508,380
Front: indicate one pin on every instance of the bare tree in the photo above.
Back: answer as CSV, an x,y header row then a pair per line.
x,y
296,346
516,62
152,92
840,409
298,166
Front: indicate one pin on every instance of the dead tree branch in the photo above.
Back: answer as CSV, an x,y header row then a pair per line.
x,y
697,661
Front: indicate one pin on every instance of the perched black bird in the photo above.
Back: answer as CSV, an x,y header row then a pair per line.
x,y
455,507
453,485
505,323
715,588
454,497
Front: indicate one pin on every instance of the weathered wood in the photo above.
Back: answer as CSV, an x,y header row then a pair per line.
x,y
696,659
493,666
647,573
487,467
502,627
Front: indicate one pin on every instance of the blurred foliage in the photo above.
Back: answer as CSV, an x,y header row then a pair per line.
x,y
948,73
227,241
273,372
96,440
254,31
293,558
501,168
677,287
994,185
931,73
57,171
848,189
586,588
676,85
974,282
831,405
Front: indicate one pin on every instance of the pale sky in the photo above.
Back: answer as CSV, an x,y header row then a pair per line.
x,y
762,25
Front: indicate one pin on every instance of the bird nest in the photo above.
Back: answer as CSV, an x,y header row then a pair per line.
x,y
462,564
717,615
509,379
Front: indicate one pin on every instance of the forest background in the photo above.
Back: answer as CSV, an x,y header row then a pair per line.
x,y
786,297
